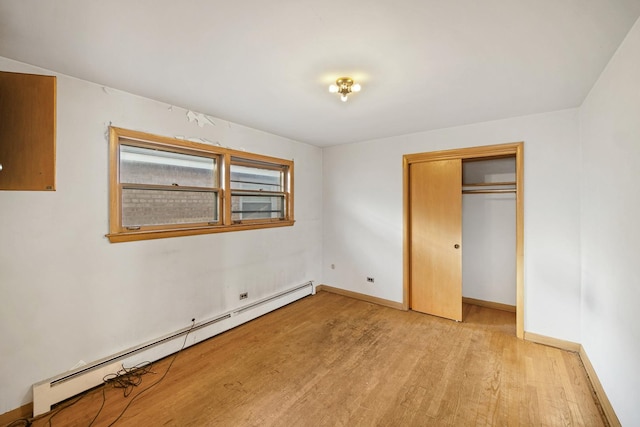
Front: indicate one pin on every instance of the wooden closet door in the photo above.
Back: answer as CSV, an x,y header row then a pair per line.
x,y
436,234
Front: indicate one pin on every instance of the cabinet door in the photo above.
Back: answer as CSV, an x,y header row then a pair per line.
x,y
435,189
27,131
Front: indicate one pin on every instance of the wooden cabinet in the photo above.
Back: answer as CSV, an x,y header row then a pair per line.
x,y
27,131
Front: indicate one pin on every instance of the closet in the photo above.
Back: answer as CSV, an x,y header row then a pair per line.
x,y
463,234
489,232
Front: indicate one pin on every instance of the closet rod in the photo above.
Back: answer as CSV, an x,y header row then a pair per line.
x,y
488,191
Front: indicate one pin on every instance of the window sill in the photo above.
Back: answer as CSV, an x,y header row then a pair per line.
x,y
130,236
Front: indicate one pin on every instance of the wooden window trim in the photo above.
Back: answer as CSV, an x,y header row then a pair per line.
x,y
224,158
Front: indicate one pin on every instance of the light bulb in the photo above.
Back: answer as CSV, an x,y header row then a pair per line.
x,y
333,89
343,98
356,87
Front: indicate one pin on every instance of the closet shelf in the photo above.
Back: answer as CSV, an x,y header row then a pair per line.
x,y
501,190
489,187
489,184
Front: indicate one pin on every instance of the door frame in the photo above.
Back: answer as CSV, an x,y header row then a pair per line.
x,y
487,151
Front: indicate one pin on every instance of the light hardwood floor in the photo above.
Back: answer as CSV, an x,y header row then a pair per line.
x,y
330,360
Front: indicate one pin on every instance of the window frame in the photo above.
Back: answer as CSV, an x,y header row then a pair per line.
x,y
255,164
224,157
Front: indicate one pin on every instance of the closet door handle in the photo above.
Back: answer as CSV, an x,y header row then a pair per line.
x,y
457,246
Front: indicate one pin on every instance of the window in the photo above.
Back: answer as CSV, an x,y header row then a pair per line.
x,y
164,187
257,190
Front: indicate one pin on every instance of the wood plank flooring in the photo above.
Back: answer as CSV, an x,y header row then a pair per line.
x,y
330,360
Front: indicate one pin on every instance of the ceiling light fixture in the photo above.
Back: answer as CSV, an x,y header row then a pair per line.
x,y
344,86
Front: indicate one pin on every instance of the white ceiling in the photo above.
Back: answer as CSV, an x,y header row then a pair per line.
x,y
423,64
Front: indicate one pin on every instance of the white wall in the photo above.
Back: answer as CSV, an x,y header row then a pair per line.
x,y
363,213
610,137
67,294
489,247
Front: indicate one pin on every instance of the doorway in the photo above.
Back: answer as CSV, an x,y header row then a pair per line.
x,y
433,228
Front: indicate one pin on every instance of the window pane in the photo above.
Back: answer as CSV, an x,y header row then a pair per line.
x,y
256,207
250,178
146,166
160,207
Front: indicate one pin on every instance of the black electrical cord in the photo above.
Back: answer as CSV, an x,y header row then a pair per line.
x,y
104,399
63,407
128,378
125,378
184,343
27,422
20,422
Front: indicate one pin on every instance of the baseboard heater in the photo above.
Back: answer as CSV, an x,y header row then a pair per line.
x,y
61,387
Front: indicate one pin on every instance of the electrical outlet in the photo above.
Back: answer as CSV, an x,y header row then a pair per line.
x,y
244,295
370,279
